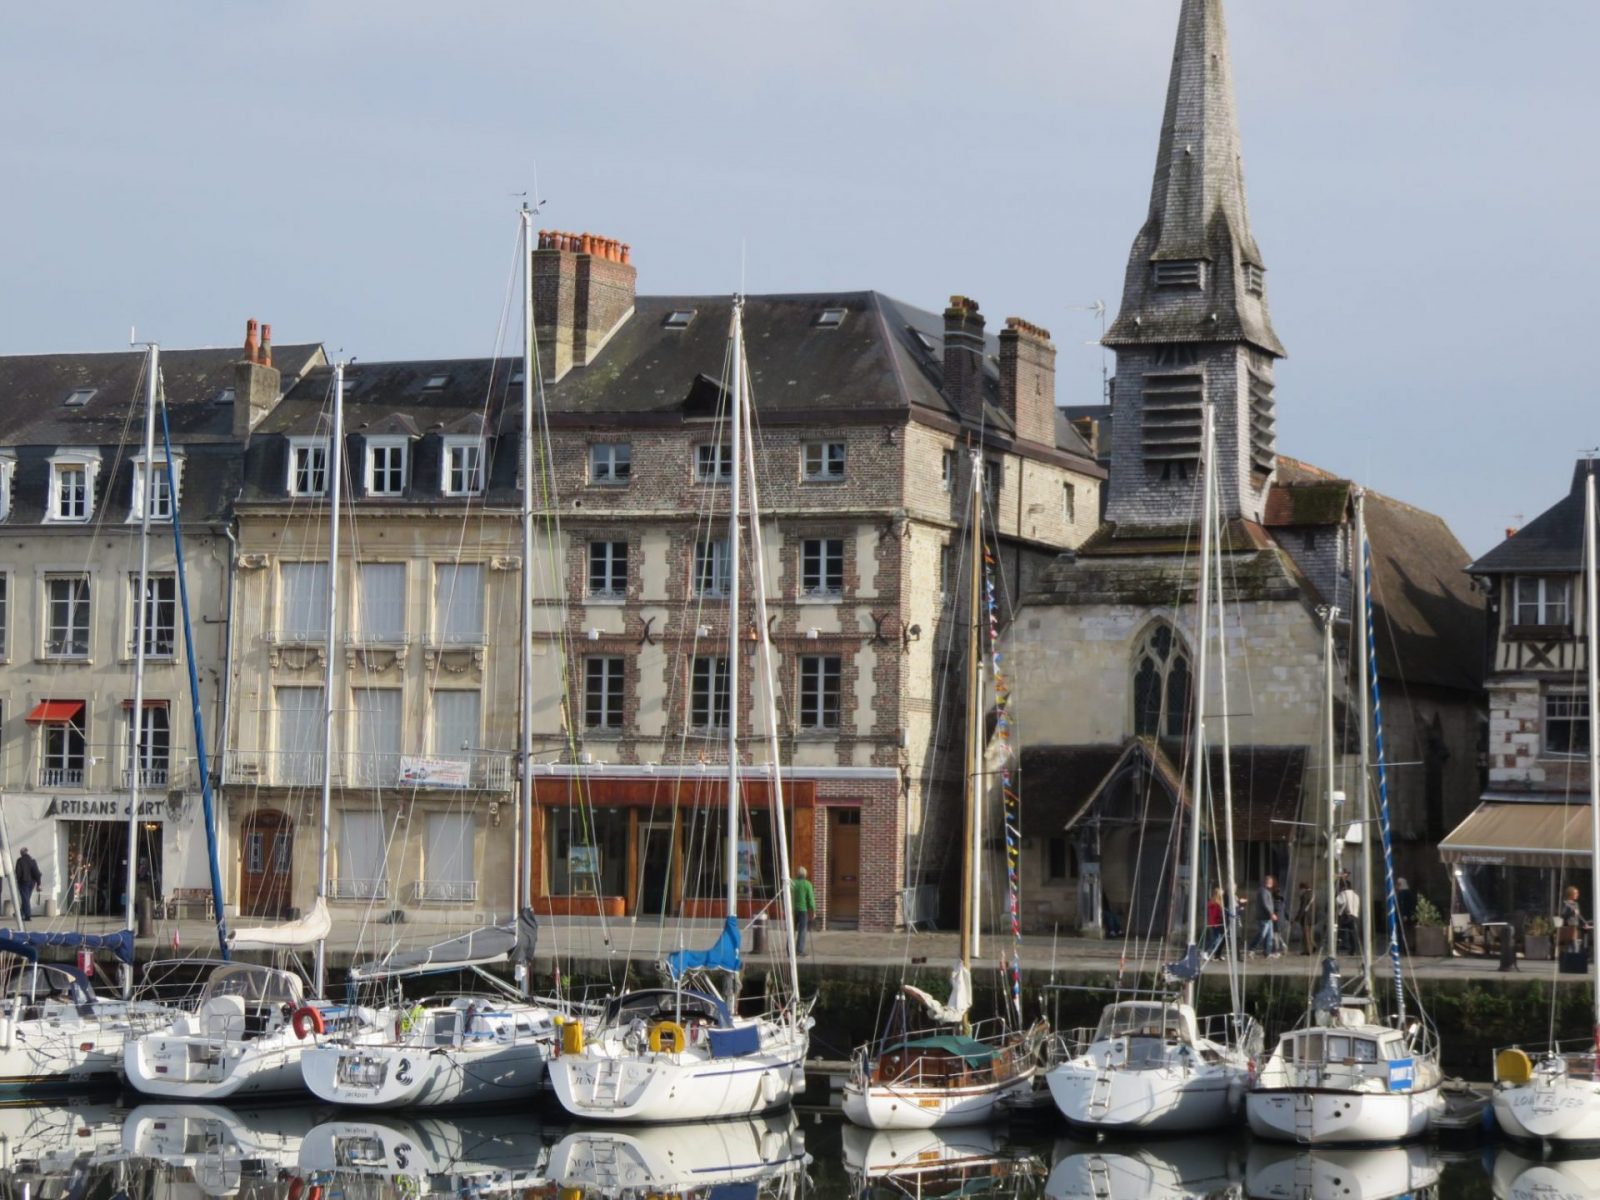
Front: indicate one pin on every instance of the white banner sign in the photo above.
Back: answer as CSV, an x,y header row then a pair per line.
x,y
435,772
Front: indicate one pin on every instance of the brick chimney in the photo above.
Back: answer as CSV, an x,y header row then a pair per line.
x,y
963,356
1028,380
255,383
583,288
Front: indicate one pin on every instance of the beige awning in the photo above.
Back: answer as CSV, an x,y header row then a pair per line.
x,y
1521,834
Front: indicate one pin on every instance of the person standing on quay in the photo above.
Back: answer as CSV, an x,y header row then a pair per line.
x,y
805,903
28,878
1266,912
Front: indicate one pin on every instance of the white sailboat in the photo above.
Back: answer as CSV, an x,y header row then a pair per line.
x,y
246,1034
684,1052
765,1153
965,1075
1556,1097
463,1049
1344,1076
1152,1065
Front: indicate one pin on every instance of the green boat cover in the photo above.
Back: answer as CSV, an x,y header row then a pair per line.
x,y
974,1052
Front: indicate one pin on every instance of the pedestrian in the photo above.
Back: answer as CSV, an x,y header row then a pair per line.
x,y
805,903
28,878
1214,928
1305,916
1266,915
1405,905
1347,906
1571,922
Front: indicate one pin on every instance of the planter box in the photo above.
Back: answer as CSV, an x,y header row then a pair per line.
x,y
1430,941
1537,946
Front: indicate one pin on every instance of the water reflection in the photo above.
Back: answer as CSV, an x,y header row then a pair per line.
x,y
764,1156
462,1155
1275,1172
974,1161
1519,1177
221,1151
1192,1168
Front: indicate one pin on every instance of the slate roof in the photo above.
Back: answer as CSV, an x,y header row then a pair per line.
x,y
1552,541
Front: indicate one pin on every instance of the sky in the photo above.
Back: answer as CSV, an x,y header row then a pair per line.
x,y
1421,174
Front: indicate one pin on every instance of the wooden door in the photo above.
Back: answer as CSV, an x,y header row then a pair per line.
x,y
266,870
844,867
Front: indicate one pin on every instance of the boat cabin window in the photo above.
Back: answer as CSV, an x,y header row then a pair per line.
x,y
1308,1048
1392,1047
664,1006
256,985
1139,1020
444,1028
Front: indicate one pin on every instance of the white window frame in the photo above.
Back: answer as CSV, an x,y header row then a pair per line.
x,y
443,604
470,452
474,736
367,631
611,464
715,552
87,614
708,686
313,448
1548,593
1069,502
8,468
155,772
947,470
161,511
381,451
157,578
315,629
713,463
57,771
89,464
815,671
605,683
817,585
823,462
1576,704
609,588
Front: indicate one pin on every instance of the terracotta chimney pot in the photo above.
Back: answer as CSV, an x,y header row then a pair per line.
x,y
265,357
250,340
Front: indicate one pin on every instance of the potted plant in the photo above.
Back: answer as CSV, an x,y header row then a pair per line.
x,y
1537,942
1430,939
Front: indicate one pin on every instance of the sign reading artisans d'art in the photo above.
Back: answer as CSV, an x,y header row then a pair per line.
x,y
434,772
73,809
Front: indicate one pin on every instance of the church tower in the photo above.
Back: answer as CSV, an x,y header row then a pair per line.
x,y
1194,325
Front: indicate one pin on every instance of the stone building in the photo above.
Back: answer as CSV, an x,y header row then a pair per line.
x,y
71,487
1103,642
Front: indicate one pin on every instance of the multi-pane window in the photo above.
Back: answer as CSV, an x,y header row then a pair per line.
x,y
299,721
608,570
381,616
160,615
447,864
161,492
69,491
456,717
67,627
8,467
708,697
1566,723
1161,685
362,857
5,611
463,467
1543,600
377,718
386,467
947,574
822,567
947,471
822,462
303,601
308,467
458,603
994,474
602,692
713,567
65,748
819,691
610,462
149,747
1069,503
713,462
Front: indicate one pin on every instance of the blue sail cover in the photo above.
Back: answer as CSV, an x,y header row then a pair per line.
x,y
723,955
9,945
1188,967
120,944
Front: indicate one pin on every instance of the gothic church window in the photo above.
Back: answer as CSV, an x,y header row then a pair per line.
x,y
1161,684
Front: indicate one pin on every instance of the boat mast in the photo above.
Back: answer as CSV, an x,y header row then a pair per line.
x,y
1230,892
1363,804
522,886
974,748
730,693
1329,615
335,488
141,630
1197,752
1591,608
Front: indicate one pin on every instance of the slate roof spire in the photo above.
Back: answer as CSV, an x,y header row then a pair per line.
x,y
1195,273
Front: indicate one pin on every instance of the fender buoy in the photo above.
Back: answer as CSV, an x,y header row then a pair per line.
x,y
307,1019
667,1036
297,1187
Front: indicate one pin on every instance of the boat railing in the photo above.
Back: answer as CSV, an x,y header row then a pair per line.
x,y
1576,1056
1013,1053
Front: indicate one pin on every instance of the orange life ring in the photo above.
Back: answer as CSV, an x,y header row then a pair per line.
x,y
297,1187
304,1018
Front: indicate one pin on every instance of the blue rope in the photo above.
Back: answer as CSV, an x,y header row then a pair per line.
x,y
1383,788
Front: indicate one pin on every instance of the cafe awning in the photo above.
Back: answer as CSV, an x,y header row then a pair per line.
x,y
55,712
1519,833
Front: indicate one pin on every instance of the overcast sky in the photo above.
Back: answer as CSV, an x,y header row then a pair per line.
x,y
1422,180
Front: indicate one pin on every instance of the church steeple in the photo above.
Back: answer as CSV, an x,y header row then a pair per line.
x,y
1194,325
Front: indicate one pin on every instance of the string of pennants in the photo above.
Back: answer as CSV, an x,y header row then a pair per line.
x,y
1012,802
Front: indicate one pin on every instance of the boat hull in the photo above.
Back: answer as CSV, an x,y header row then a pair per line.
x,y
203,1069
888,1106
1549,1109
1168,1099
398,1075
1336,1117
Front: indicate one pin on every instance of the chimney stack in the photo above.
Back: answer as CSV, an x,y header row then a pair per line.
x,y
583,288
1028,380
255,382
963,356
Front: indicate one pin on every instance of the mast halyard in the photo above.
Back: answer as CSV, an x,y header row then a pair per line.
x,y
335,490
1591,618
141,632
523,858
730,689
1197,751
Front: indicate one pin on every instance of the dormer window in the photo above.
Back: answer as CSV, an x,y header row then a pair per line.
x,y
463,466
1180,273
72,487
8,467
1542,601
161,509
386,466
308,466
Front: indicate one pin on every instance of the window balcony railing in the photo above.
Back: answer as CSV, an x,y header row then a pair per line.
x,y
291,768
377,640
445,891
358,889
61,777
69,647
148,777
477,771
296,637
162,645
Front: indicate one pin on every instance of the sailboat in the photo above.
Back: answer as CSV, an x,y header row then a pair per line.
x,y
684,1052
251,1023
462,1049
749,1158
962,1077
1556,1099
1345,1076
1152,1065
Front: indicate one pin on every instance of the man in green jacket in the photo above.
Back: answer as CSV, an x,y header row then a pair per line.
x,y
805,903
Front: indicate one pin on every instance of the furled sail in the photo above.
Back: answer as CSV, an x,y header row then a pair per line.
x,y
486,944
955,1011
305,931
722,956
120,944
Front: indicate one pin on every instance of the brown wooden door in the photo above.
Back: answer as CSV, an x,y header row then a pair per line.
x,y
844,867
266,870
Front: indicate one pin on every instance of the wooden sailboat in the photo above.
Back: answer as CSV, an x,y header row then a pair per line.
x,y
960,1075
1556,1097
1152,1066
684,1052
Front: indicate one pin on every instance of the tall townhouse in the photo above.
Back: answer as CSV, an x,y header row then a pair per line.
x,y
71,487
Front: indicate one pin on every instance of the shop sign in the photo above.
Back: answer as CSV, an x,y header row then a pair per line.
x,y
434,772
72,808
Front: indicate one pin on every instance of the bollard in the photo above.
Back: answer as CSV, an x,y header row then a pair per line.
x,y
1508,948
145,914
758,934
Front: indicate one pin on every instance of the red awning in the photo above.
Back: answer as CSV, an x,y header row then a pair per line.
x,y
148,703
55,712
